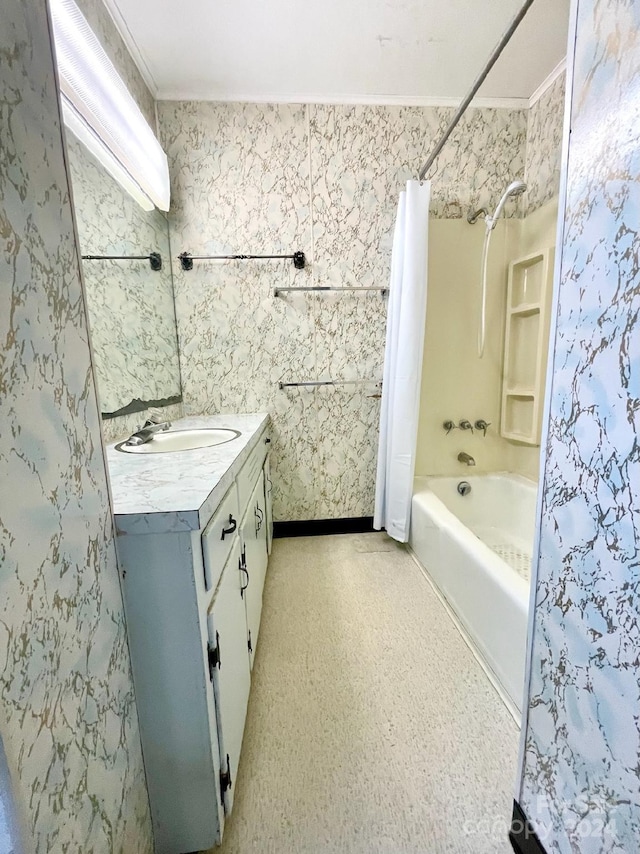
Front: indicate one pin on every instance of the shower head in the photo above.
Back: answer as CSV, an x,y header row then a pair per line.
x,y
515,188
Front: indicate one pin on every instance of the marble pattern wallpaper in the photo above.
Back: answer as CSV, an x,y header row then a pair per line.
x,y
131,312
263,178
545,121
67,705
581,786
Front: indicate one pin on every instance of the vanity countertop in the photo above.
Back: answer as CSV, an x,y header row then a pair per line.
x,y
158,493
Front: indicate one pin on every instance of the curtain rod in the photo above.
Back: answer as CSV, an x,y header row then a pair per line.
x,y
513,26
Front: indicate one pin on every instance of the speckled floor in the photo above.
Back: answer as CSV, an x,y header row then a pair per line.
x,y
371,727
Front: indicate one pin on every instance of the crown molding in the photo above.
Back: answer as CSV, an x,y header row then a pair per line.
x,y
549,80
343,100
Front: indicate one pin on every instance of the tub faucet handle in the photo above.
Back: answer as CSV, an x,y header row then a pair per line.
x,y
465,425
481,424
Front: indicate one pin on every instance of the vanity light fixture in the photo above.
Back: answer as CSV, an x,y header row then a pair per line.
x,y
99,110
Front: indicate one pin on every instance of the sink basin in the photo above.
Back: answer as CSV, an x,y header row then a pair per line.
x,y
181,440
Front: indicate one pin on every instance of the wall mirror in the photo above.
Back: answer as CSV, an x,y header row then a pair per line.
x,y
129,299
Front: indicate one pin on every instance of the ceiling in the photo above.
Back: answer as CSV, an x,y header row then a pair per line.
x,y
379,51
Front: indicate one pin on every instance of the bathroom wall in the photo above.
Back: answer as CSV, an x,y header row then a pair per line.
x,y
579,784
256,178
67,706
544,138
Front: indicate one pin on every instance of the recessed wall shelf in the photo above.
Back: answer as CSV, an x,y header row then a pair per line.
x,y
525,356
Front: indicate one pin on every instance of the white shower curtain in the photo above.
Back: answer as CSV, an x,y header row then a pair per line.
x,y
403,363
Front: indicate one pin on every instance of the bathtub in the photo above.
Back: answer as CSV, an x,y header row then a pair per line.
x,y
476,548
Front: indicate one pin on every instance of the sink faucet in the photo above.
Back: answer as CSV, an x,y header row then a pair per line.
x,y
463,457
147,431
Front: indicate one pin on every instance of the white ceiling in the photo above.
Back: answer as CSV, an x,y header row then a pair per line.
x,y
380,51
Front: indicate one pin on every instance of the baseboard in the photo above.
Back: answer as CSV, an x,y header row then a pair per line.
x,y
522,836
320,527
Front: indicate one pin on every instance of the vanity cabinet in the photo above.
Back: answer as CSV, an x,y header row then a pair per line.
x,y
193,600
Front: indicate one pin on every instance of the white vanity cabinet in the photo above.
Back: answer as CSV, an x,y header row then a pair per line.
x,y
192,586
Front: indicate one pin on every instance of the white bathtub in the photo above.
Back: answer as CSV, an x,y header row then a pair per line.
x,y
477,550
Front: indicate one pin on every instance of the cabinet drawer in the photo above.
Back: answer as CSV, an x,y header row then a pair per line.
x,y
250,471
219,537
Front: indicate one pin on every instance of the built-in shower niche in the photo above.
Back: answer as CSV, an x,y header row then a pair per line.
x,y
525,357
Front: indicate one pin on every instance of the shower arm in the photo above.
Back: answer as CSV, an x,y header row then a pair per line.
x,y
513,26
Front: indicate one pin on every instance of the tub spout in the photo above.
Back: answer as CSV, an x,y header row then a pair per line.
x,y
463,457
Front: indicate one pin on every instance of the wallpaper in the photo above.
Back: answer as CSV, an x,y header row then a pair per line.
x,y
130,306
67,706
544,137
581,787
272,179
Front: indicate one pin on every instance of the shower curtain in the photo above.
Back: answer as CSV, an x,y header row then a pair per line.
x,y
403,363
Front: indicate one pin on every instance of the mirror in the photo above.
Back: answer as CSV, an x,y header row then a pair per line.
x,y
130,304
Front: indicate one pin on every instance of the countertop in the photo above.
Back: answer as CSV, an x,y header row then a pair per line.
x,y
158,493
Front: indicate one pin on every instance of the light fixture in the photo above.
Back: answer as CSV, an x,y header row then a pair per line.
x,y
99,110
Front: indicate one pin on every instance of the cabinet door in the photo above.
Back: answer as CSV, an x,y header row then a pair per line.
x,y
229,666
254,543
268,490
